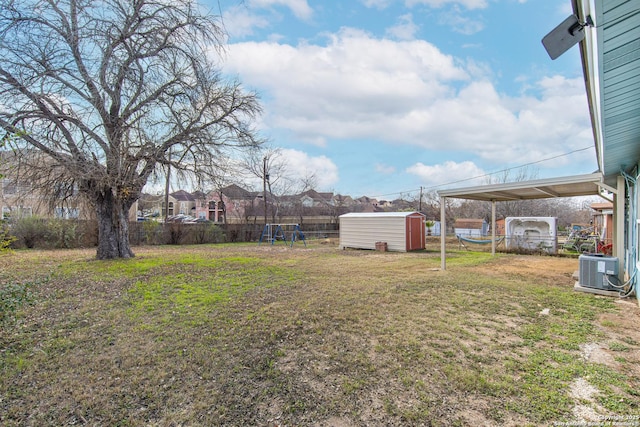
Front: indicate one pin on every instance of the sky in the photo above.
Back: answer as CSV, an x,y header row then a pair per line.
x,y
385,97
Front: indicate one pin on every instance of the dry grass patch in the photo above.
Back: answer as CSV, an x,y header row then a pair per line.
x,y
265,335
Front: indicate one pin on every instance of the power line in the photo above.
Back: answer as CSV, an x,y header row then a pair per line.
x,y
485,175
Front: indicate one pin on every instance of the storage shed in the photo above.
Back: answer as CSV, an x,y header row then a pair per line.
x,y
401,231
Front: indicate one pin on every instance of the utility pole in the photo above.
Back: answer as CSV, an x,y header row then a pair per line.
x,y
265,178
420,202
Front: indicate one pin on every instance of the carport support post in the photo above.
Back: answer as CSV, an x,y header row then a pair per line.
x,y
443,234
493,227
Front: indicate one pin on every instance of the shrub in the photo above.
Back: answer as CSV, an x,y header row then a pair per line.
x,y
35,232
89,233
207,232
216,234
63,233
152,232
177,232
30,231
6,239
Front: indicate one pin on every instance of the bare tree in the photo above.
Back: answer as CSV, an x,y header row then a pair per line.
x,y
108,92
269,165
431,204
296,203
517,207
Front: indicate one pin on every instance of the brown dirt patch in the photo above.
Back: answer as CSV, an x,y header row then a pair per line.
x,y
557,270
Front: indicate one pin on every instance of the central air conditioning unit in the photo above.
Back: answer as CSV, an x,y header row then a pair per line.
x,y
598,272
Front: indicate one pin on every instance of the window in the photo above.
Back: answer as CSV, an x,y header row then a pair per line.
x,y
67,213
65,189
16,212
10,187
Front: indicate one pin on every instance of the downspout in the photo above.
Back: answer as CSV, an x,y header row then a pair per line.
x,y
618,225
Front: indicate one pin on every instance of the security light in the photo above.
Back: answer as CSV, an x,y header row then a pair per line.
x,y
565,35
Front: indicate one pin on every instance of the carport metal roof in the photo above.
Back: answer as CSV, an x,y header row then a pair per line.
x,y
570,186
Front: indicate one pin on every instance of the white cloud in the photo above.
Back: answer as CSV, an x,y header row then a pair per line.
x,y
239,21
469,4
301,165
505,130
449,174
459,23
409,93
352,81
405,29
378,4
300,8
243,19
384,169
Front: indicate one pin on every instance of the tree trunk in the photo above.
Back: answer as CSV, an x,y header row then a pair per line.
x,y
113,227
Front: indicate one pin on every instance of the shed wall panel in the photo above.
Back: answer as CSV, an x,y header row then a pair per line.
x,y
364,231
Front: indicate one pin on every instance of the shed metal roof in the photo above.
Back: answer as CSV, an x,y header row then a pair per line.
x,y
378,214
570,186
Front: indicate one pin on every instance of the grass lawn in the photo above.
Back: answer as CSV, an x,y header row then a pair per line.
x,y
248,335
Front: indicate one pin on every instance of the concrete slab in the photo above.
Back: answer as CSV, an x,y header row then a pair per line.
x,y
577,287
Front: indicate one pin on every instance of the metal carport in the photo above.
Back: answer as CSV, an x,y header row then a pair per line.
x,y
570,186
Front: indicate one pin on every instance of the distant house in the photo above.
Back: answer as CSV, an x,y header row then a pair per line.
x,y
603,220
500,231
234,204
182,202
471,227
402,205
229,204
367,204
343,200
21,197
151,205
313,198
309,202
